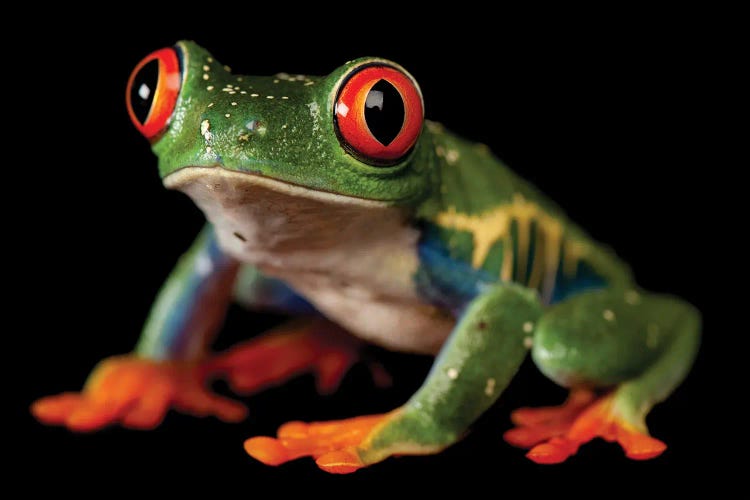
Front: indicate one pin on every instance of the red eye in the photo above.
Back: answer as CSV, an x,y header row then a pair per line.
x,y
152,91
378,114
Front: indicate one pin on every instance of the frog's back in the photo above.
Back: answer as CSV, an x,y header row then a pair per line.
x,y
487,224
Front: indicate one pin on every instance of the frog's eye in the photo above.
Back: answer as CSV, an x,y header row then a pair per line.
x,y
152,91
378,114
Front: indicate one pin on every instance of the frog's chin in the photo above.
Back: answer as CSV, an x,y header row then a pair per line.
x,y
258,219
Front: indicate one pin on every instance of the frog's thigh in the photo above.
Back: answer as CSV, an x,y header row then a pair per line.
x,y
643,343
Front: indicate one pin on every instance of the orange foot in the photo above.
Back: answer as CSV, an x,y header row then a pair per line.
x,y
556,433
294,348
136,393
332,444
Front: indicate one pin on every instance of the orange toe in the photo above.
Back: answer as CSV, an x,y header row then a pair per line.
x,y
576,402
312,345
54,410
332,444
526,437
639,446
554,451
574,424
535,425
267,450
340,462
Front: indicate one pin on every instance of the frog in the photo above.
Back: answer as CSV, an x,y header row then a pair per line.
x,y
332,200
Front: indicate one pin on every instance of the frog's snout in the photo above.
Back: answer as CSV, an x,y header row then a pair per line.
x,y
152,91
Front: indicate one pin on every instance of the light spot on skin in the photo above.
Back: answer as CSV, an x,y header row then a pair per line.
x,y
609,315
284,97
206,67
227,68
284,126
451,156
452,373
269,97
239,78
234,104
243,92
528,342
210,88
434,126
309,83
253,95
203,265
208,149
300,77
231,92
632,297
489,389
275,81
440,151
228,115
205,76
210,105
236,87
210,59
244,137
528,327
205,132
315,115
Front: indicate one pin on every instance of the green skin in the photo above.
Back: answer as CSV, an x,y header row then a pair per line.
x,y
639,344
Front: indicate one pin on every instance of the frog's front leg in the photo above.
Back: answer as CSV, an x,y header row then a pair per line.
x,y
137,389
475,365
171,366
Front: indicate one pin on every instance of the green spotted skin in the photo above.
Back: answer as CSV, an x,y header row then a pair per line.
x,y
493,253
279,126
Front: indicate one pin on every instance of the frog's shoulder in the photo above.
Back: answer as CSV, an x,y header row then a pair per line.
x,y
470,179
486,217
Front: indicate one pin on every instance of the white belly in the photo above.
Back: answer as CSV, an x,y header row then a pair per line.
x,y
353,259
397,323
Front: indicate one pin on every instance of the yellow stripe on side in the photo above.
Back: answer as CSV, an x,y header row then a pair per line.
x,y
494,225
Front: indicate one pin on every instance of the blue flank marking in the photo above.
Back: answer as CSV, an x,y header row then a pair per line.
x,y
452,284
443,280
584,278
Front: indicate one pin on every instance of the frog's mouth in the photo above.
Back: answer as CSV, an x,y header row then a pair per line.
x,y
257,218
229,182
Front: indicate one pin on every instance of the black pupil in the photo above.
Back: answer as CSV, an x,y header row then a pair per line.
x,y
384,112
143,90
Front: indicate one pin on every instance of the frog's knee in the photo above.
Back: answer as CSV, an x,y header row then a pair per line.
x,y
602,338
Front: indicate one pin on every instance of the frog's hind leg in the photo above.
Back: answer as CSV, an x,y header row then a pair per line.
x,y
304,345
635,347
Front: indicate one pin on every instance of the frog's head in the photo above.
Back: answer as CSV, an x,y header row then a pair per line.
x,y
353,133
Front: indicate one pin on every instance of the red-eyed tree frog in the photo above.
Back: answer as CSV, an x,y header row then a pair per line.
x,y
333,199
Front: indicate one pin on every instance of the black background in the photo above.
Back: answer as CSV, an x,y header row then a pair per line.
x,y
602,115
